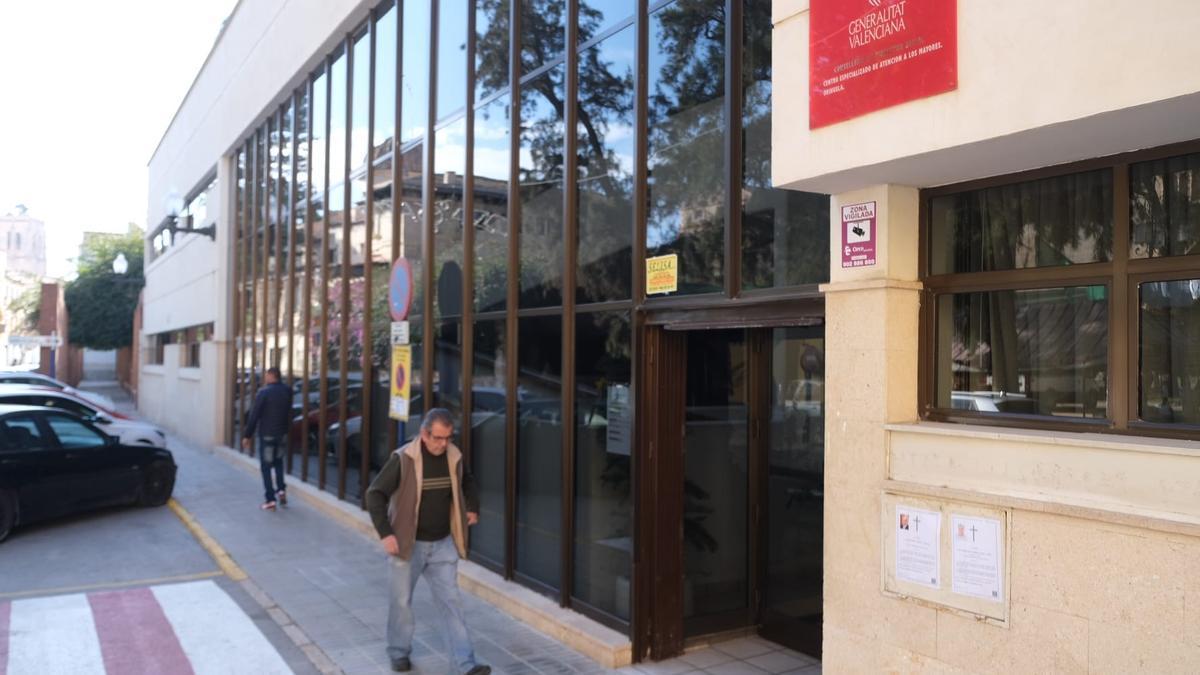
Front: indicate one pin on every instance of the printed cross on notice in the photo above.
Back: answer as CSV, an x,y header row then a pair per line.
x,y
916,523
973,531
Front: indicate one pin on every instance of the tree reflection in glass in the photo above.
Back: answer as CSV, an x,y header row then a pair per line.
x,y
540,174
785,234
492,155
491,47
686,127
606,176
543,25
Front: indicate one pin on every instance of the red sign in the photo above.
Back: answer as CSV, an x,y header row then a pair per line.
x,y
858,235
866,55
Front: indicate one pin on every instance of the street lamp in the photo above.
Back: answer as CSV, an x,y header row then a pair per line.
x,y
120,264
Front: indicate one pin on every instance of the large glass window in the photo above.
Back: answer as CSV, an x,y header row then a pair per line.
x,y
1164,207
603,455
336,273
785,234
606,168
300,242
414,74
541,184
596,16
539,449
1065,220
492,157
543,33
353,424
329,196
489,398
1032,352
452,56
449,156
308,430
686,129
491,46
385,82
1169,351
1023,275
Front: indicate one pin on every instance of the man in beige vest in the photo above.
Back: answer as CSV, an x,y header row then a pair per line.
x,y
421,506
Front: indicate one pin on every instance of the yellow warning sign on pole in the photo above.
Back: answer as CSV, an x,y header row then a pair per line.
x,y
401,382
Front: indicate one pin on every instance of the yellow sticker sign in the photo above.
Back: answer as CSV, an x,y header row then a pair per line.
x,y
401,382
662,274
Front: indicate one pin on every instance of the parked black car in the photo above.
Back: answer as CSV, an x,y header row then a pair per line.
x,y
53,463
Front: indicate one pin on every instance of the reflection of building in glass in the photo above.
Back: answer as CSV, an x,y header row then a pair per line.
x,y
524,214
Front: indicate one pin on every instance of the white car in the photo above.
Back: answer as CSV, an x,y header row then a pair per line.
x,y
39,380
125,428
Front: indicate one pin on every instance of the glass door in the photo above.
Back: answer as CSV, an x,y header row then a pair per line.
x,y
716,488
794,445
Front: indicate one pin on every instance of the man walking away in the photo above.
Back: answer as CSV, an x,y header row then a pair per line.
x,y
272,407
421,505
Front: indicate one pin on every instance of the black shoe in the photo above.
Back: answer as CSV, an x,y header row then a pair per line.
x,y
401,665
480,670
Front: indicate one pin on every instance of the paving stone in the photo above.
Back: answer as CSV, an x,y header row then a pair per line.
x,y
734,668
706,658
331,582
778,662
745,648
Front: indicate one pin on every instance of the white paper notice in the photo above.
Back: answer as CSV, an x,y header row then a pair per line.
x,y
917,536
975,548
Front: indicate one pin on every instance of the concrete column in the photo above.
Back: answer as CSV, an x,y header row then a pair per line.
x,y
871,380
224,324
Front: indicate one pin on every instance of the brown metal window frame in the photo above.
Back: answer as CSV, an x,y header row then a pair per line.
x,y
251,259
1120,275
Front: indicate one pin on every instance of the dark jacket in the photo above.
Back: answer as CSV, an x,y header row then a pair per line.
x,y
271,412
395,495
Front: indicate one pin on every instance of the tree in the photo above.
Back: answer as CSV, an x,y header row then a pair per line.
x,y
100,303
25,311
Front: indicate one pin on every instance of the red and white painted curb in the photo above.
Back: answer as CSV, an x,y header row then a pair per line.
x,y
175,629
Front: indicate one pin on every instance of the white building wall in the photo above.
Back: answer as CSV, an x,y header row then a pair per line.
x,y
267,48
1039,83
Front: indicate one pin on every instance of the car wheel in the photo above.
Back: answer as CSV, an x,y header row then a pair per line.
x,y
158,482
8,514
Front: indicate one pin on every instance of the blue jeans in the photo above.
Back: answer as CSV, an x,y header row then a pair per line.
x,y
437,561
270,456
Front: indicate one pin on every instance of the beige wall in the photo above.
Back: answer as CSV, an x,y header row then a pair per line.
x,y
1102,554
181,399
1040,83
267,48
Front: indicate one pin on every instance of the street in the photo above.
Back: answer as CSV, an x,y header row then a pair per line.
x,y
129,590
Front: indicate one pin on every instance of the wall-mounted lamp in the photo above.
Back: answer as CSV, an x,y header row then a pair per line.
x,y
174,222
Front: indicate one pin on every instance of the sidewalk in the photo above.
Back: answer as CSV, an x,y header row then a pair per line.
x,y
330,582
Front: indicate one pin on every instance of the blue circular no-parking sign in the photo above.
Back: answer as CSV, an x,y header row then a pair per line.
x,y
400,290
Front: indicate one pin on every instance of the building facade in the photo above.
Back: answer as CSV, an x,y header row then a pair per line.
x,y
23,240
517,164
614,231
1019,368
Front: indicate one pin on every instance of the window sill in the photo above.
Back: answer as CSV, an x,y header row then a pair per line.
x,y
1083,439
190,373
154,369
1101,476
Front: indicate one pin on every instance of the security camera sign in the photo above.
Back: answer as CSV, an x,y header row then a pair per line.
x,y
858,235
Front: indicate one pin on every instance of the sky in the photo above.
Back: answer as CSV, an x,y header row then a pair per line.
x,y
87,89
